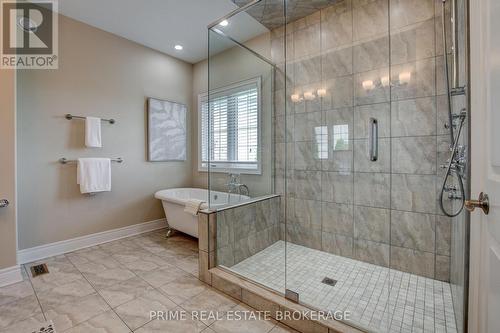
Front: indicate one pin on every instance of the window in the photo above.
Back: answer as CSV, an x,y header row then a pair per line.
x,y
229,138
341,137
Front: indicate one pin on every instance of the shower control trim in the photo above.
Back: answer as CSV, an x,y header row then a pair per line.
x,y
4,203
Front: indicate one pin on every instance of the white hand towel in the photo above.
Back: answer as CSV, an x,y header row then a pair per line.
x,y
94,175
93,132
193,206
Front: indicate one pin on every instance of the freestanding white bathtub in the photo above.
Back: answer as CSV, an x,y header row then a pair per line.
x,y
174,201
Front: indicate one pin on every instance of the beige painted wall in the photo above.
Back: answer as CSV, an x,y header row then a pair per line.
x,y
232,66
101,75
8,244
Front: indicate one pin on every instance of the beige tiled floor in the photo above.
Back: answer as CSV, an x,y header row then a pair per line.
x,y
113,287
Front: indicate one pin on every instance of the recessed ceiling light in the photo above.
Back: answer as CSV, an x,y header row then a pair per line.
x,y
224,23
178,47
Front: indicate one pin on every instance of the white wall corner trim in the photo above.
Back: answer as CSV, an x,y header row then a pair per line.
x,y
49,250
10,275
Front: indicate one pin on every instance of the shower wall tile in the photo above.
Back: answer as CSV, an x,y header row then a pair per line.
x,y
407,12
306,125
306,185
439,27
416,193
442,114
371,54
336,117
443,235
371,252
339,93
306,155
306,41
443,268
370,19
336,28
412,261
413,230
372,189
337,218
303,236
337,187
413,117
284,155
413,42
372,224
306,213
414,155
246,217
362,115
440,75
337,63
338,160
307,105
337,244
368,89
362,162
421,83
307,70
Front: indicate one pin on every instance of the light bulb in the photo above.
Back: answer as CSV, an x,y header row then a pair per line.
x,y
368,85
405,77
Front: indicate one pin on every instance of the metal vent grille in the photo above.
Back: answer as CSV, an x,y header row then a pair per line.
x,y
330,282
37,270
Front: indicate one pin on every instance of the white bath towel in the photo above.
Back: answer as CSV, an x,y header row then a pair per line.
x,y
94,175
193,206
93,132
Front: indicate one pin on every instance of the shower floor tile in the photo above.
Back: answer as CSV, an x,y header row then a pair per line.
x,y
378,299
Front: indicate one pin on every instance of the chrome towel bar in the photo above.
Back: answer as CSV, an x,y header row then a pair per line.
x,y
70,117
66,161
373,140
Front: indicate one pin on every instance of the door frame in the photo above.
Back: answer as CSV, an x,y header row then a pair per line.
x,y
478,27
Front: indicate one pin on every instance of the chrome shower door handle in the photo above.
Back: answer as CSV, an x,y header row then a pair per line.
x,y
373,139
4,203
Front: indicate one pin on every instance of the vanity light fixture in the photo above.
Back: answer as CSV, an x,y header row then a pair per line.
x,y
385,81
178,47
368,85
224,23
404,77
309,95
296,98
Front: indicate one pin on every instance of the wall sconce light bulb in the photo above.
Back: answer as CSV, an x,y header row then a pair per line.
x,y
385,81
404,77
309,96
321,92
368,85
296,98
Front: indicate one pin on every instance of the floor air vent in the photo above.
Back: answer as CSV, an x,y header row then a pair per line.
x,y
46,328
39,270
330,282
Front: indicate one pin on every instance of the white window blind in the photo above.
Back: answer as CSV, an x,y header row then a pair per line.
x,y
230,128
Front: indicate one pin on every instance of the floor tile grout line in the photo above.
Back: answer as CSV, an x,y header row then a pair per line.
x,y
35,292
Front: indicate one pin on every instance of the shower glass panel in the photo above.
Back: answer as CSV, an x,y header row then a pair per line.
x,y
237,136
343,211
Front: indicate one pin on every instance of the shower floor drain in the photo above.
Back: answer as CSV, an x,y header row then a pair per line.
x,y
330,282
39,270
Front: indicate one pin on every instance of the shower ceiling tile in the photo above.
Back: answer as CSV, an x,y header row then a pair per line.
x,y
270,12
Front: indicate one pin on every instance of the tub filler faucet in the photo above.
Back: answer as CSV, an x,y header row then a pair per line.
x,y
234,185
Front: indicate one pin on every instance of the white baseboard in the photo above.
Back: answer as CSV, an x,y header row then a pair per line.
x,y
57,248
10,275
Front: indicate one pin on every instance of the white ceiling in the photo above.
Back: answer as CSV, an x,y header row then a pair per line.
x,y
161,24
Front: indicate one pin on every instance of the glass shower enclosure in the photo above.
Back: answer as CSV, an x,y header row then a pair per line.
x,y
325,135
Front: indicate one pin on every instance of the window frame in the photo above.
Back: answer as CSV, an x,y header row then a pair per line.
x,y
225,167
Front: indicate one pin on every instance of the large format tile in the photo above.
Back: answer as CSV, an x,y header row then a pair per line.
x,y
107,322
27,324
15,292
372,224
406,12
371,54
413,230
306,213
18,310
337,218
71,314
362,159
125,291
414,155
371,252
108,277
362,114
138,311
413,117
337,63
182,289
306,185
337,187
159,277
413,42
61,271
415,193
414,79
173,326
65,293
369,88
372,189
412,261
370,19
339,93
336,28
337,244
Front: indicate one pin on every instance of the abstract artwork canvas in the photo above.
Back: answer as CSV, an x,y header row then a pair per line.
x,y
167,140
